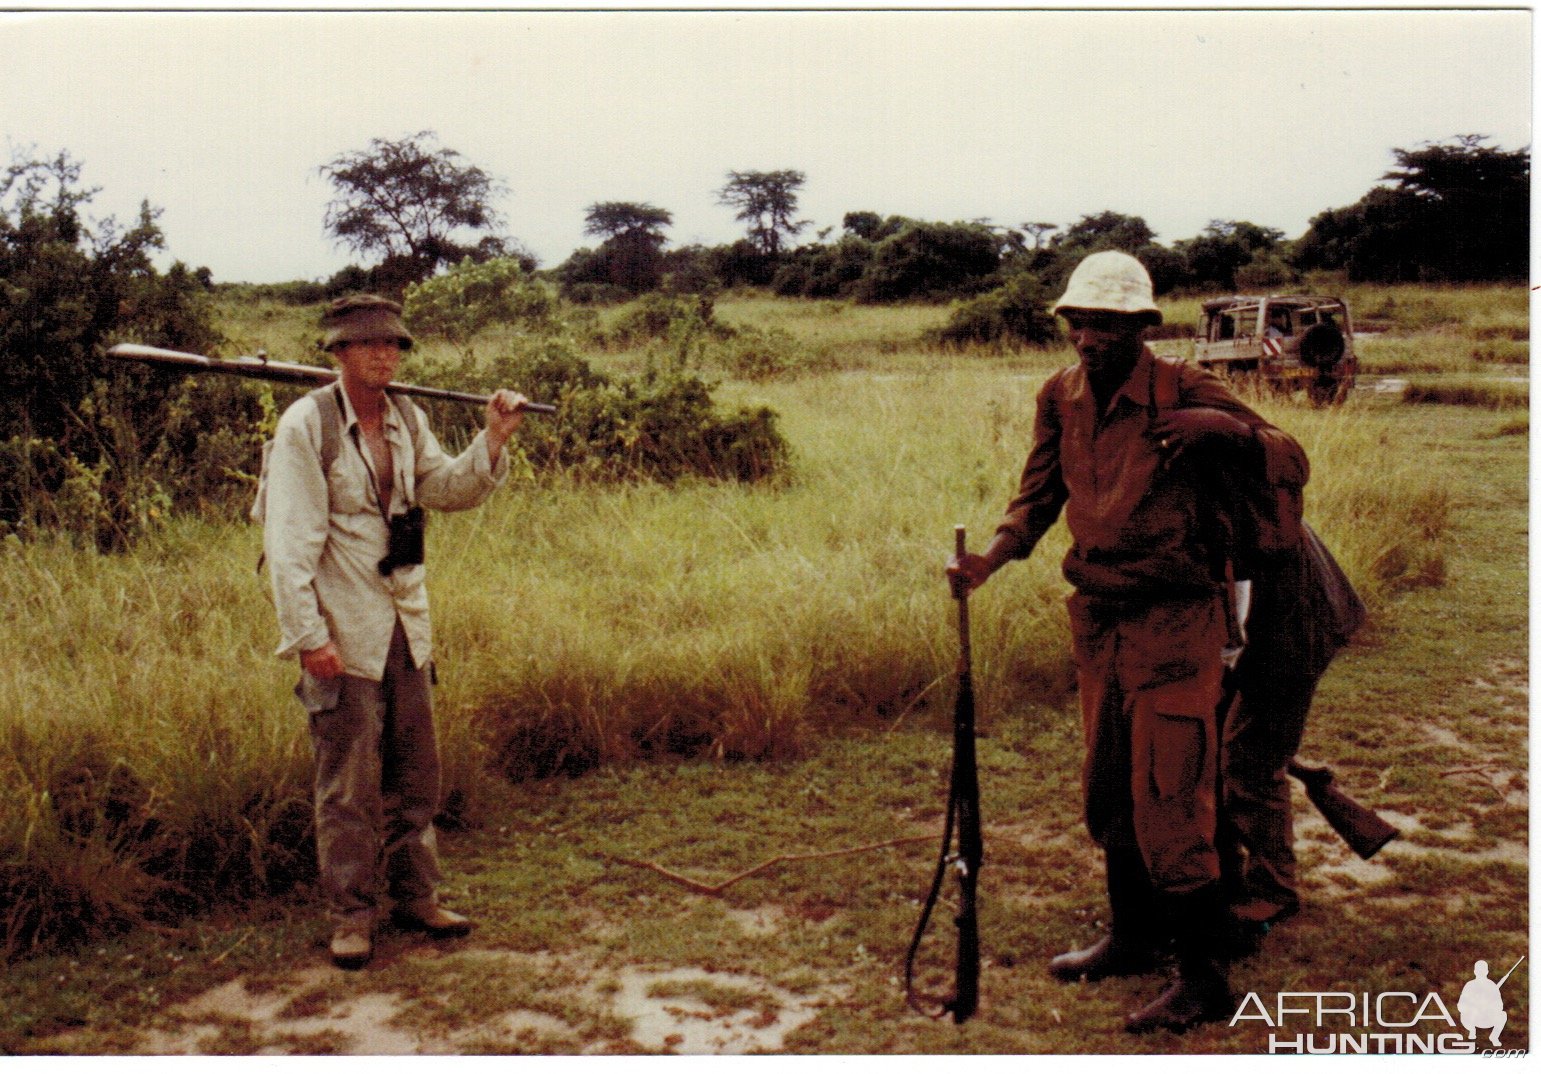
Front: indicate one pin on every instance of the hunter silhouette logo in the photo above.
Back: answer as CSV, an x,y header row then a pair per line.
x,y
1384,1023
1481,1005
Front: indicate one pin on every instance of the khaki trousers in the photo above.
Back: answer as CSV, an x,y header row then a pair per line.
x,y
376,785
1262,733
1150,680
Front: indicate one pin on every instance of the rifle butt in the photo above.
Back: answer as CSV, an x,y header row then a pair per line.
x,y
1363,829
965,1001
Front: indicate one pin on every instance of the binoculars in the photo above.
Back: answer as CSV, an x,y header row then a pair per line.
x,y
405,547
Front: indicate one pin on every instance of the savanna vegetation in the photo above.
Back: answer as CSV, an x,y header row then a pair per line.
x,y
706,671
706,623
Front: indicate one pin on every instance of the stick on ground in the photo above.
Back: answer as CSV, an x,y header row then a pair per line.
x,y
701,887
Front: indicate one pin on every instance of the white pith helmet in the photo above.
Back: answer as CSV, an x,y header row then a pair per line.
x,y
1110,280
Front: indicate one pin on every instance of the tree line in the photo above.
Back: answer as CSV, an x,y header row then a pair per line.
x,y
1451,211
70,285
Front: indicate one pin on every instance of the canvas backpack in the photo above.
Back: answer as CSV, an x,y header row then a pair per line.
x,y
1265,519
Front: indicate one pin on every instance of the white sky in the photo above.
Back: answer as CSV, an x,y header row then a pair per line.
x,y
221,119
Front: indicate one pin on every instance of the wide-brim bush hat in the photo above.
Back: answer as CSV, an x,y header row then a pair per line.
x,y
363,319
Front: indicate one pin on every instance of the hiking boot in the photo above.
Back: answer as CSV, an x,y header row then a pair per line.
x,y
1108,957
352,946
1191,999
1133,944
426,915
1199,992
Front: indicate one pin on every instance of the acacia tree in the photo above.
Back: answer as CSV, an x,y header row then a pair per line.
x,y
1038,229
618,219
767,202
1459,210
408,200
631,255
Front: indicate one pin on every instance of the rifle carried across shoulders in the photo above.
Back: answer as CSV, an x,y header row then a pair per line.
x,y
962,813
258,367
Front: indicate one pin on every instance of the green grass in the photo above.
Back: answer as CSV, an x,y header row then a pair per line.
x,y
784,655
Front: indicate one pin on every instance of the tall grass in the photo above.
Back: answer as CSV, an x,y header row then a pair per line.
x,y
155,760
144,765
1481,311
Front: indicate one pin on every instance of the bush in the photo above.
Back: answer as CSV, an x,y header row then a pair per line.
x,y
474,296
930,261
681,319
1266,272
70,287
661,425
821,271
760,354
1013,315
690,270
596,294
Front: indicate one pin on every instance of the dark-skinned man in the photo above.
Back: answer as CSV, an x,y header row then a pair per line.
x,y
1150,616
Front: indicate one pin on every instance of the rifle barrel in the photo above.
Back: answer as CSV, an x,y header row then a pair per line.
x,y
964,792
260,368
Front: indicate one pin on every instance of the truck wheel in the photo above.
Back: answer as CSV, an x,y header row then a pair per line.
x,y
1322,346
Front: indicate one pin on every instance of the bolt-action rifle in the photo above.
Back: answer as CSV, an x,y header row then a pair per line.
x,y
962,813
1363,829
258,367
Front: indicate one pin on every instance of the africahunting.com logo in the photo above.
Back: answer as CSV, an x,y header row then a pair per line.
x,y
1385,1023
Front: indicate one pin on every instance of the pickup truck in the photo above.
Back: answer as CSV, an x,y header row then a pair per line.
x,y
1288,341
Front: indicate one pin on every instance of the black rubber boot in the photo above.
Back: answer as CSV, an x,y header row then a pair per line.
x,y
1200,991
1133,944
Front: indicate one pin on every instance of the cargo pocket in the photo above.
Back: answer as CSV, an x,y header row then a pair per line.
x,y
1176,791
1176,755
318,695
1174,731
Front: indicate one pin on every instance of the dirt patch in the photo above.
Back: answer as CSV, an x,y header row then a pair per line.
x,y
318,1009
693,1012
356,1025
760,921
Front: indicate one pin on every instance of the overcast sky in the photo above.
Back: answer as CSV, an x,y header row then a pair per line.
x,y
222,119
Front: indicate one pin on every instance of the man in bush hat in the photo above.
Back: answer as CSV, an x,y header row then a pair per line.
x,y
1114,440
347,477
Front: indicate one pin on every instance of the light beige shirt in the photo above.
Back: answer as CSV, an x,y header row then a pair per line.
x,y
324,538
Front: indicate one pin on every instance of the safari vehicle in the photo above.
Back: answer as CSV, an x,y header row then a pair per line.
x,y
1289,341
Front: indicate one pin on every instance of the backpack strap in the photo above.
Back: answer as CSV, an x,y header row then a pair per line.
x,y
329,404
1164,384
408,414
328,400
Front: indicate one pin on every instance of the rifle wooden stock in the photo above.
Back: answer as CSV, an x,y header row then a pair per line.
x,y
1361,827
260,368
